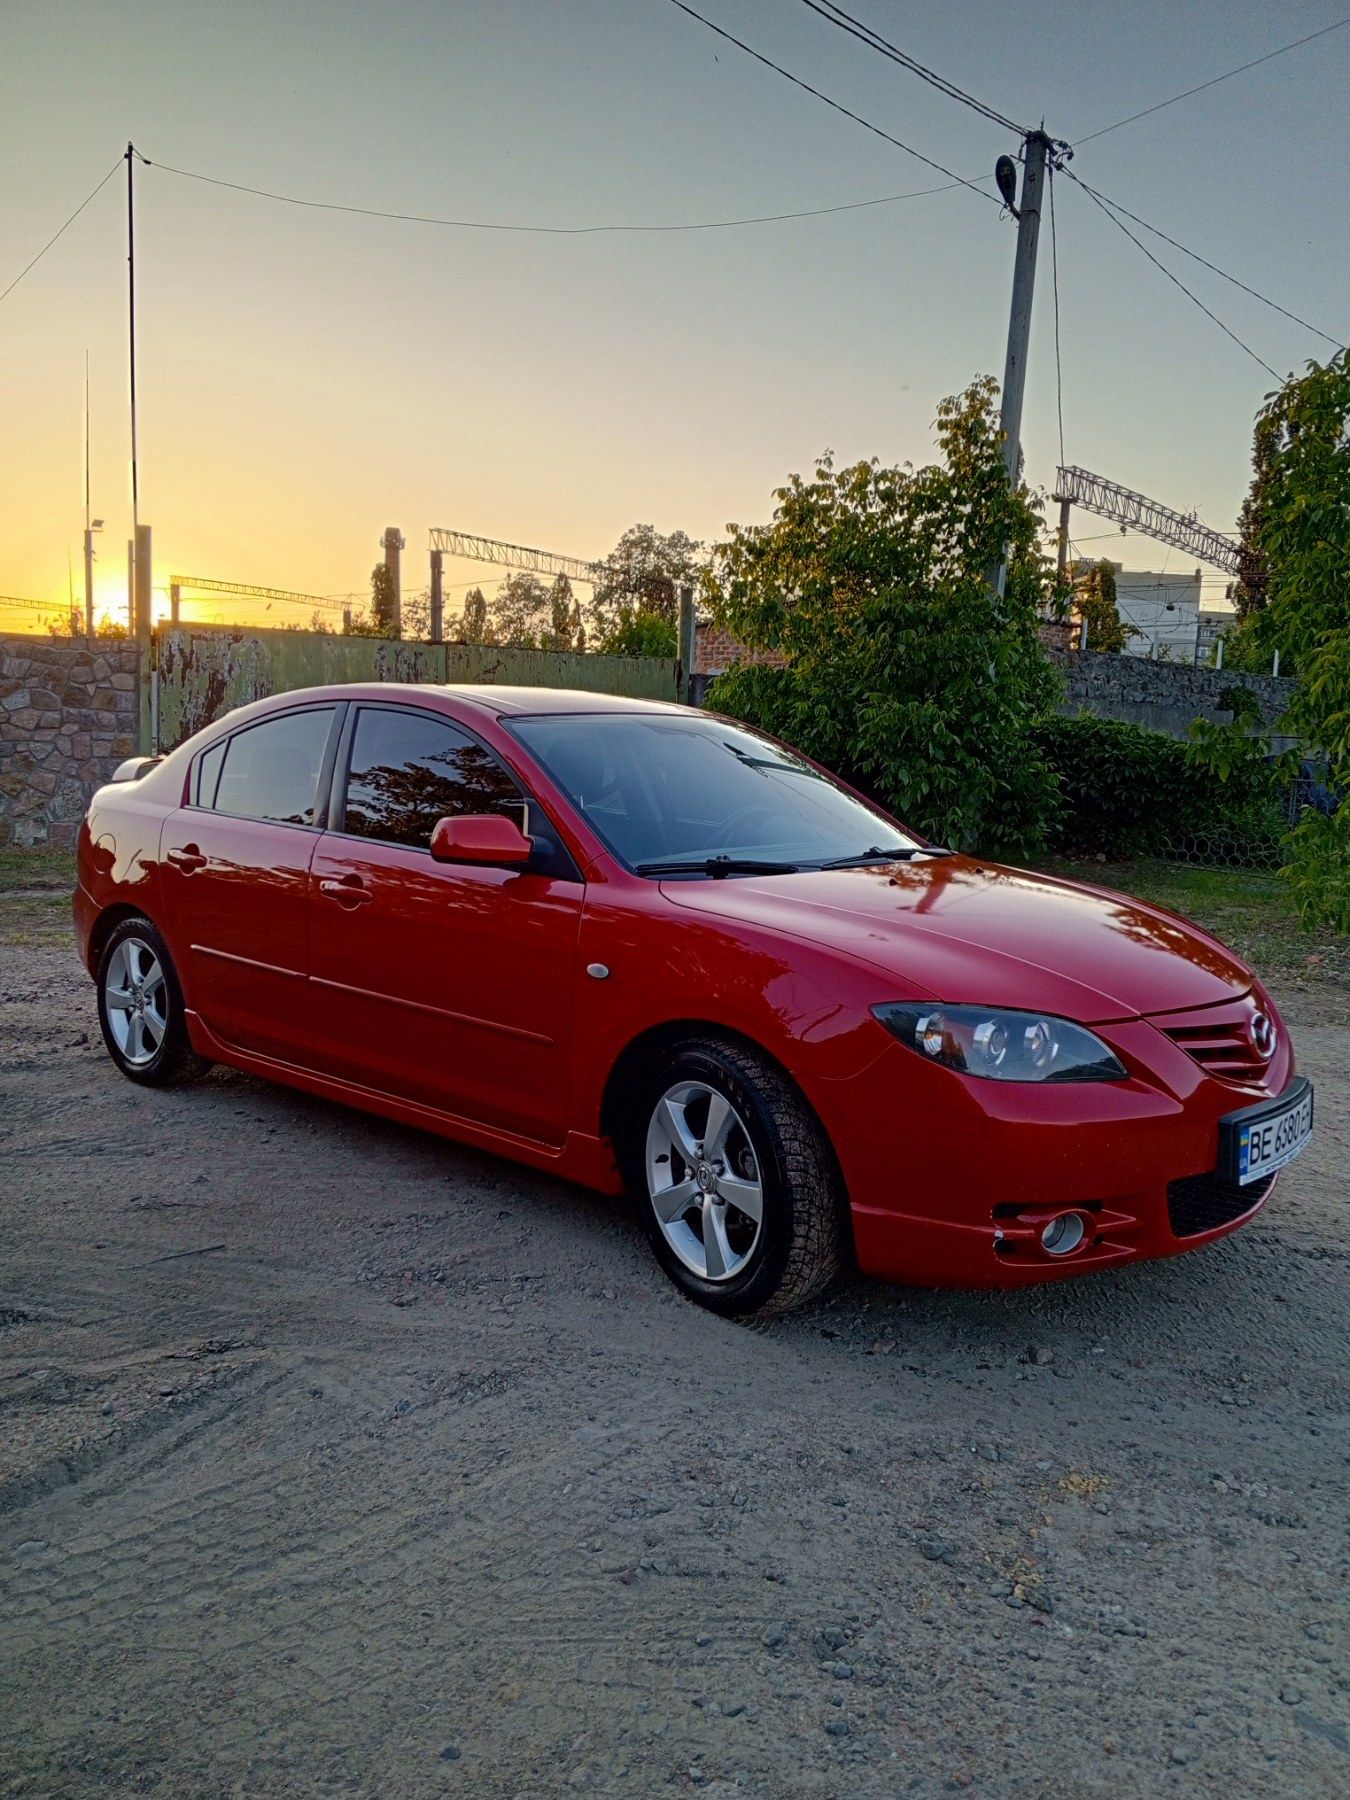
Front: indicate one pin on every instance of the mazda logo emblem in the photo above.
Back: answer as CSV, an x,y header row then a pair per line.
x,y
1263,1035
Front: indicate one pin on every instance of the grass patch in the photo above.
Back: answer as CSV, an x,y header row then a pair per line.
x,y
35,890
20,869
1247,908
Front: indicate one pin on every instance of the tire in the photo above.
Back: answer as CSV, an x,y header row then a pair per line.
x,y
767,1143
148,1039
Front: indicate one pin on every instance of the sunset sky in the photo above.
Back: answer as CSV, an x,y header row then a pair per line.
x,y
308,377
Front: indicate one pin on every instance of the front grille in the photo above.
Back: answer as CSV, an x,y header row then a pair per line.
x,y
1204,1202
1219,1038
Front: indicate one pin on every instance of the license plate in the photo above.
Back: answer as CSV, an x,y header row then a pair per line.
x,y
1260,1139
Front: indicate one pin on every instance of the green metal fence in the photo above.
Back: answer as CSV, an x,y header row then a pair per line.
x,y
201,671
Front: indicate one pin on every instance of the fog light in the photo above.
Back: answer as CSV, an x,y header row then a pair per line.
x,y
1062,1235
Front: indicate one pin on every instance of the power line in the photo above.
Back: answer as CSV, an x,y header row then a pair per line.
x,y
867,125
1176,281
1215,80
1195,256
69,222
374,212
835,15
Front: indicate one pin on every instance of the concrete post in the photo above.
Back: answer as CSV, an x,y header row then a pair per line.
x,y
142,564
393,546
437,597
88,582
684,646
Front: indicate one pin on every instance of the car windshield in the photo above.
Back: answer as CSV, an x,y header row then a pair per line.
x,y
671,795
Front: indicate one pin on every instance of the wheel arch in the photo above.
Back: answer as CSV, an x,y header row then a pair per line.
x,y
104,926
641,1056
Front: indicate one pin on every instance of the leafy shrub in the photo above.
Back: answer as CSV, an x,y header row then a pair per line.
x,y
905,670
1127,791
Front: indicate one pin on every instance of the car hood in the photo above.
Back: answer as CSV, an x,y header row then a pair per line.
x,y
951,928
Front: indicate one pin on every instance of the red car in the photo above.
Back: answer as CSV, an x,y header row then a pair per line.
x,y
645,947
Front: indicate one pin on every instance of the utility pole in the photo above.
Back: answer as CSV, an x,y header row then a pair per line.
x,y
1035,148
140,597
131,337
1062,552
88,527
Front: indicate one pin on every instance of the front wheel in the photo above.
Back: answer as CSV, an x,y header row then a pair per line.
x,y
745,1207
140,1007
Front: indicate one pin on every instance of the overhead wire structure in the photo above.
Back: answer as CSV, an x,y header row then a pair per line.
x,y
1109,500
190,585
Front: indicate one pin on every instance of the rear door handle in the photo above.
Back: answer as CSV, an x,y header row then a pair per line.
x,y
188,859
350,891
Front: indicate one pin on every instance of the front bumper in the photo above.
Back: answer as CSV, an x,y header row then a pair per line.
x,y
951,1179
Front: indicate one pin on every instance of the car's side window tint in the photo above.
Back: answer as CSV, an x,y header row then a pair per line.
x,y
408,769
206,774
271,770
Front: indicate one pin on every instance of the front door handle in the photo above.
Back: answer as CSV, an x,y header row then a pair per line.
x,y
188,859
350,891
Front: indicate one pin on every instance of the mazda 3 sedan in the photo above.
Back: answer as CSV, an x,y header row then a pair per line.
x,y
644,947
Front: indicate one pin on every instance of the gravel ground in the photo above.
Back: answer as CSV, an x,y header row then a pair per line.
x,y
337,1460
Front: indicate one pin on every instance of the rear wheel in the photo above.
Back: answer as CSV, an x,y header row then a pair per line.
x,y
140,1007
744,1204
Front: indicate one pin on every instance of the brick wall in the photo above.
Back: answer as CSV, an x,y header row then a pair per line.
x,y
716,649
68,716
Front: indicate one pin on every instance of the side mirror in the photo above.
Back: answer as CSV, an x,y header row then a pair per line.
x,y
490,839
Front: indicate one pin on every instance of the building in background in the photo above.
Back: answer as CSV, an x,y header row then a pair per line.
x,y
1169,613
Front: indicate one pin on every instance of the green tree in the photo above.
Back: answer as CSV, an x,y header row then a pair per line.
x,y
644,573
520,610
1304,537
475,627
566,630
904,669
1250,645
1253,584
383,612
1096,605
635,632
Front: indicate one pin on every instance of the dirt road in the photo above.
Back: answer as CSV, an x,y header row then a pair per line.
x,y
336,1460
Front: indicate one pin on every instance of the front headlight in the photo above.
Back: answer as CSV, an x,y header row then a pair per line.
x,y
1001,1046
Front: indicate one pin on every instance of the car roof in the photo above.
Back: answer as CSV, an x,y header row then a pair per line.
x,y
549,700
489,698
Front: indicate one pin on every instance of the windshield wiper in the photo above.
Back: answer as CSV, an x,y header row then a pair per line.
x,y
717,866
899,853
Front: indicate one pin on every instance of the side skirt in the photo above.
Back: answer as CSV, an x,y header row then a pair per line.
x,y
589,1161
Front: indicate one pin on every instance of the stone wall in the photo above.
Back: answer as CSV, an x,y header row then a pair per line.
x,y
68,716
1164,695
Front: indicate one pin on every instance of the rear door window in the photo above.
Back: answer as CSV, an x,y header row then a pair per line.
x,y
270,770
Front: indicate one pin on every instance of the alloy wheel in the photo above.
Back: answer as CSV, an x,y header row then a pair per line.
x,y
704,1180
136,1001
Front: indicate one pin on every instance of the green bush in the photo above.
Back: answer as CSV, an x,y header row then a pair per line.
x,y
904,669
1127,791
